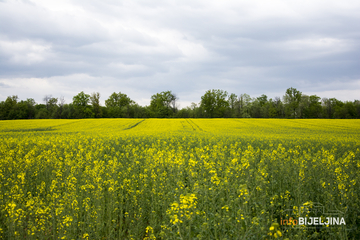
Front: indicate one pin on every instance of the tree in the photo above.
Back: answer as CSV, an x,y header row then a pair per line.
x,y
184,113
214,103
173,102
31,106
68,111
53,108
163,104
46,101
263,108
262,100
21,110
61,107
331,107
275,109
118,105
272,113
357,108
303,111
348,110
8,108
118,100
61,101
292,100
232,103
81,99
137,111
95,102
244,105
82,109
314,110
255,109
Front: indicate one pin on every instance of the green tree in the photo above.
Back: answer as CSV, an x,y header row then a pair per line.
x,y
46,101
345,110
263,106
303,110
118,100
41,112
233,101
68,111
331,107
95,102
357,108
61,107
275,108
244,105
262,100
255,109
214,103
81,106
24,109
292,100
314,110
349,110
137,111
272,113
163,104
118,105
184,113
9,107
2,111
81,99
31,107
53,108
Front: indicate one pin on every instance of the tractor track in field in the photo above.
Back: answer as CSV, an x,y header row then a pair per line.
x,y
134,125
194,125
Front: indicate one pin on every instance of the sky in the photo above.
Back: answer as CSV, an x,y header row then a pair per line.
x,y
141,48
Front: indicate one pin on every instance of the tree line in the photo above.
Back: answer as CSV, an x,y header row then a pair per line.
x,y
214,103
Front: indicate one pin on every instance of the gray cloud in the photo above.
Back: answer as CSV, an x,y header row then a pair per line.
x,y
3,85
140,48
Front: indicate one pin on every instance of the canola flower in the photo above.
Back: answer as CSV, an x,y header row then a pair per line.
x,y
176,178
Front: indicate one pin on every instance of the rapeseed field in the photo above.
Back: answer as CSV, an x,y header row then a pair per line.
x,y
179,179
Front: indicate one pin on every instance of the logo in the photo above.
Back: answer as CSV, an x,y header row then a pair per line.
x,y
311,215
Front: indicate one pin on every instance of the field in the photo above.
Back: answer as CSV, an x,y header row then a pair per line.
x,y
178,178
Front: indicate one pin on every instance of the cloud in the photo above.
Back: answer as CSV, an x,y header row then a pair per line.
x,y
3,85
141,48
24,52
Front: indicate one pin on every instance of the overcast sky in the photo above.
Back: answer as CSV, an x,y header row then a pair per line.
x,y
187,46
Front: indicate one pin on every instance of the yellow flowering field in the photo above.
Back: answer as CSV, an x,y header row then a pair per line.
x,y
178,178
